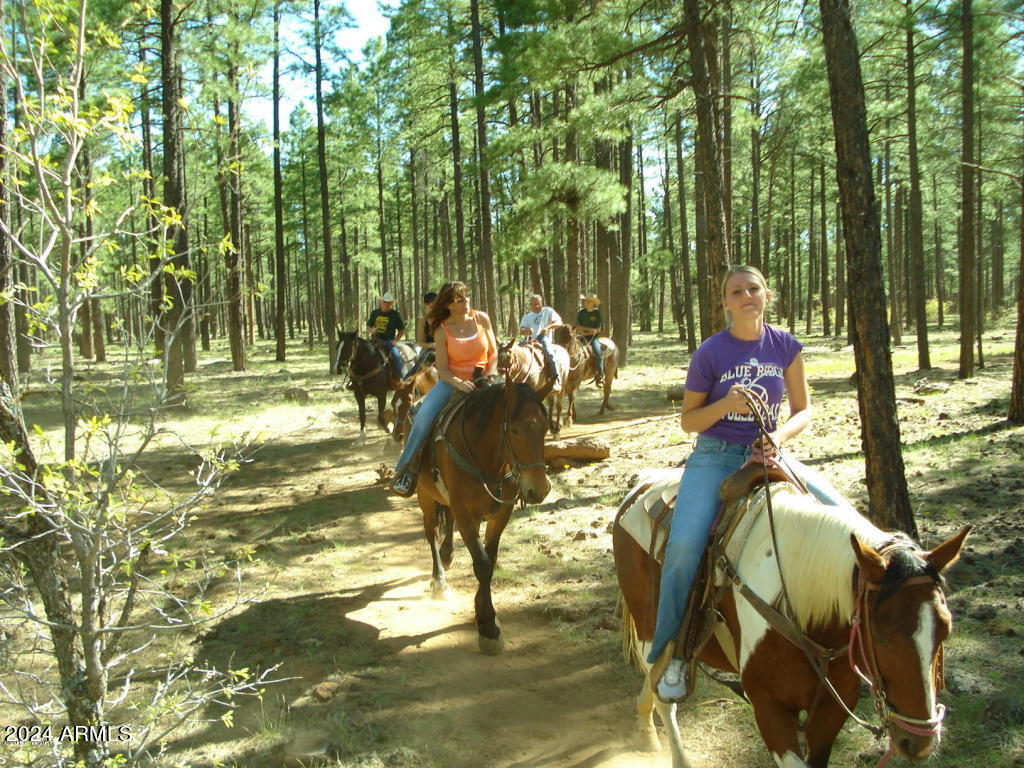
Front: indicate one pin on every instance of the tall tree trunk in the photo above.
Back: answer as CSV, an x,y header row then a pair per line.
x,y
940,266
460,221
620,310
179,291
280,271
156,295
702,54
8,326
967,235
330,316
684,232
233,255
486,254
915,213
824,265
876,395
1016,412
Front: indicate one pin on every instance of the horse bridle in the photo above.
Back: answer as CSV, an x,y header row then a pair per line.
x,y
862,639
860,631
359,378
470,468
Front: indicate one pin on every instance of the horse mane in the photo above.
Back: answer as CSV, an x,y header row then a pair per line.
x,y
481,403
815,553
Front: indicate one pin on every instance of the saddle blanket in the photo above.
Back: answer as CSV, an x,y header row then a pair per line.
x,y
639,519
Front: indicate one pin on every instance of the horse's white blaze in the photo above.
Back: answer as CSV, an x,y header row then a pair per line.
x,y
789,760
924,640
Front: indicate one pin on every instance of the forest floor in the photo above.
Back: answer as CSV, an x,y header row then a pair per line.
x,y
379,675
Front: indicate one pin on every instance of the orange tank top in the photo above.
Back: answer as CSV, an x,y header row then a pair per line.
x,y
466,354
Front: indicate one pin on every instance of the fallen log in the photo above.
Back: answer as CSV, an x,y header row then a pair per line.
x,y
578,449
675,394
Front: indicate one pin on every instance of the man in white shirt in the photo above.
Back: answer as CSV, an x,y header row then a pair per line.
x,y
536,323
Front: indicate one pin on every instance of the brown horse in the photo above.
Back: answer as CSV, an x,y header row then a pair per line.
x,y
491,454
874,611
582,367
367,369
525,364
401,402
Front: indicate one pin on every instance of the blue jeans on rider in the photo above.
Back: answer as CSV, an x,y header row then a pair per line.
x,y
545,346
595,345
396,357
697,504
429,407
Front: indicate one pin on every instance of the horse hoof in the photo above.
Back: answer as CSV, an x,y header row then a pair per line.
x,y
647,741
439,591
492,647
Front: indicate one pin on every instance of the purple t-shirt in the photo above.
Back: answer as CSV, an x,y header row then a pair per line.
x,y
723,360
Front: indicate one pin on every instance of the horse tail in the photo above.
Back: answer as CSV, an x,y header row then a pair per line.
x,y
629,640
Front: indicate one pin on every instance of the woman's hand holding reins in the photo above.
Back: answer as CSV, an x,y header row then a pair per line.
x,y
769,453
462,385
735,401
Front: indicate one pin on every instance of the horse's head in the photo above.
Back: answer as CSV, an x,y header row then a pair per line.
x,y
903,623
562,335
344,351
525,424
401,402
505,355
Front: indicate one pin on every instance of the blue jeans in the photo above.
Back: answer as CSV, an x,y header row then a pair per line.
x,y
396,357
545,346
429,407
595,345
697,504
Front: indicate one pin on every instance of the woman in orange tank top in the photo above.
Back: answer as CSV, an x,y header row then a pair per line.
x,y
464,340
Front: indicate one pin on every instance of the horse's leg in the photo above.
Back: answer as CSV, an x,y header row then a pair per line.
x,y
361,401
431,511
492,641
610,368
448,538
823,726
778,725
381,421
489,632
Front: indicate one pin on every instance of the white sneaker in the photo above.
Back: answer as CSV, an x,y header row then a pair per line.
x,y
672,686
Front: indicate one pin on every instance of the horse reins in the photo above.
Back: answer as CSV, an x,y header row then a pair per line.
x,y
861,618
359,378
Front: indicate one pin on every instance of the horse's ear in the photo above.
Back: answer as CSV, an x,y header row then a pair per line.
x,y
948,551
872,564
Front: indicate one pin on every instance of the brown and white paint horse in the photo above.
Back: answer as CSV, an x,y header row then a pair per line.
x,y
525,364
408,393
582,367
870,603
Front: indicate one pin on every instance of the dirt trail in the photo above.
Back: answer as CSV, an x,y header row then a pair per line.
x,y
349,606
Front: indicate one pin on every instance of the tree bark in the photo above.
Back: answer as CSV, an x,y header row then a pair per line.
x,y
8,329
702,54
330,316
914,211
880,429
179,291
486,253
684,234
967,234
280,272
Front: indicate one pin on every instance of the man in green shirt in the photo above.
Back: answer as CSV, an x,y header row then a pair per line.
x,y
588,325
